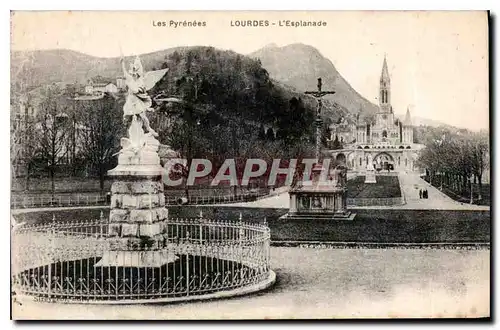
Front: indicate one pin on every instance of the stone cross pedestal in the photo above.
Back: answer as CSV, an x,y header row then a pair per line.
x,y
370,172
320,199
370,176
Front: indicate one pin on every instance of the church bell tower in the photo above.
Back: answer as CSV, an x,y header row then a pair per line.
x,y
385,89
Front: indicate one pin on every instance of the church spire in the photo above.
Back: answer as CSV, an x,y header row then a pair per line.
x,y
407,120
384,76
385,88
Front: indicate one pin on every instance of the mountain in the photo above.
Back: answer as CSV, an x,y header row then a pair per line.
x,y
419,121
293,68
42,67
231,106
300,65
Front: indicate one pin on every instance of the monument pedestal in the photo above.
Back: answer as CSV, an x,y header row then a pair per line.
x,y
318,199
138,215
136,258
370,177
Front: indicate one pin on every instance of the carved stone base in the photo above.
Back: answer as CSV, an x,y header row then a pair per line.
x,y
370,177
319,216
136,258
137,215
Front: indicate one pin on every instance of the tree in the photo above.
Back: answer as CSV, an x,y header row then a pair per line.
x,y
53,126
458,156
190,116
176,57
262,132
325,134
99,129
479,157
227,102
24,141
270,134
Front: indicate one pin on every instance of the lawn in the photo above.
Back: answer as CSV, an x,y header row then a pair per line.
x,y
386,187
370,225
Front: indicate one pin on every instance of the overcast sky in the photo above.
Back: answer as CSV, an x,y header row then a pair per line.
x,y
438,61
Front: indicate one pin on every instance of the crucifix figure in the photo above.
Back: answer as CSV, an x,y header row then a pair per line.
x,y
318,96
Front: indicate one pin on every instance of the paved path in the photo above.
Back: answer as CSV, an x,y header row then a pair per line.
x,y
410,184
323,283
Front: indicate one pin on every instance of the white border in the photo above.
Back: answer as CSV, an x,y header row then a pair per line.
x,y
190,5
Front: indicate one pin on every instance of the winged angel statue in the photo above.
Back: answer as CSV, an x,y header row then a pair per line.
x,y
138,83
138,102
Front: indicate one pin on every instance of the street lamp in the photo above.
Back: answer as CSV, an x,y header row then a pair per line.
x,y
439,143
471,179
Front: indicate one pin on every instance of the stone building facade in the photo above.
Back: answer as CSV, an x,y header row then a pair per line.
x,y
386,143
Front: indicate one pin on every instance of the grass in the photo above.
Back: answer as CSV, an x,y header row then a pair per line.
x,y
370,225
386,187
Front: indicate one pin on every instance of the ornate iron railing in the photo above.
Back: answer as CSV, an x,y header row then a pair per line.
x,y
60,261
28,202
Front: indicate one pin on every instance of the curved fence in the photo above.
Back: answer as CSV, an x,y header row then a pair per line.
x,y
27,202
193,258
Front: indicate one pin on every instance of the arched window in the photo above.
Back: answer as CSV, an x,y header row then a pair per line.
x,y
406,161
399,160
384,133
360,161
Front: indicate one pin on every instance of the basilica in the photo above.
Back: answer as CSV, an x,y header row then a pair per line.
x,y
384,143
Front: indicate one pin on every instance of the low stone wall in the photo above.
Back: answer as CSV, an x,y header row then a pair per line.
x,y
375,201
275,192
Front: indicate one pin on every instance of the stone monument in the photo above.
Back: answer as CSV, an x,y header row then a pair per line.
x,y
370,171
325,195
138,215
320,197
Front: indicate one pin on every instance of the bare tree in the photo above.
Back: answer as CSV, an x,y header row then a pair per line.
x,y
99,128
52,126
457,156
479,158
24,139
